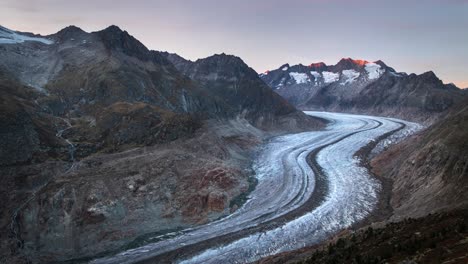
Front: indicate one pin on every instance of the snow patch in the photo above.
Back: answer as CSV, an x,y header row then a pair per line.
x,y
299,77
350,76
285,68
374,71
330,77
11,37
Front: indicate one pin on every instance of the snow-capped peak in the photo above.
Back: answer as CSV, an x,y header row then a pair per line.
x,y
8,36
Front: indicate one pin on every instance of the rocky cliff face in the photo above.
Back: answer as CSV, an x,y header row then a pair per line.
x,y
106,144
359,86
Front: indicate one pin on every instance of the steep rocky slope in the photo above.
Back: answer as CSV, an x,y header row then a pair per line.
x,y
106,144
359,86
430,170
27,132
228,77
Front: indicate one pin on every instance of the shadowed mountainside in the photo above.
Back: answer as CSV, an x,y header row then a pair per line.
x,y
429,170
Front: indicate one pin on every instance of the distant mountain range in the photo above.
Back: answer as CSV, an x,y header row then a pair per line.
x,y
360,86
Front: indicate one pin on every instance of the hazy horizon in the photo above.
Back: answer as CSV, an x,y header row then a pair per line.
x,y
410,36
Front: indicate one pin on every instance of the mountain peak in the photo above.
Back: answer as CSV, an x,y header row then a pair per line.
x,y
115,38
71,28
430,75
222,58
348,63
69,32
353,61
318,66
385,66
113,28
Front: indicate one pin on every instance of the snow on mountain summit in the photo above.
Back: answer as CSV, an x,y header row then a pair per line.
x,y
8,36
347,71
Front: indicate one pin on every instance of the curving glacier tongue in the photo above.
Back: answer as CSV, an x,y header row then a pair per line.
x,y
276,216
352,195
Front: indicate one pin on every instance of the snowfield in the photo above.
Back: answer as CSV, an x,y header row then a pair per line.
x,y
299,77
287,185
374,71
330,77
350,76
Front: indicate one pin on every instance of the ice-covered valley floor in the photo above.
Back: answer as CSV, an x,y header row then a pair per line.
x,y
286,183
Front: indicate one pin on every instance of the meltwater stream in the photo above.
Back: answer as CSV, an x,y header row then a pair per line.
x,y
286,183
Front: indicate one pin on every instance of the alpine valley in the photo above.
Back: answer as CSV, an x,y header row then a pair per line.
x,y
114,153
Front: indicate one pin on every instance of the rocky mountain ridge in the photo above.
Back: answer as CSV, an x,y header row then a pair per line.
x,y
359,86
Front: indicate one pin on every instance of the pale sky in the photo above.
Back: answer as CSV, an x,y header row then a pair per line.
x,y
409,35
